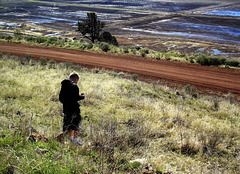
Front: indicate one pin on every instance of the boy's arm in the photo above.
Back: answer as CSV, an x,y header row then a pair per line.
x,y
82,96
78,97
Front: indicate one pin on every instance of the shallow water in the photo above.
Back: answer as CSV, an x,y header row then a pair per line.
x,y
53,34
216,51
8,23
189,35
223,30
233,13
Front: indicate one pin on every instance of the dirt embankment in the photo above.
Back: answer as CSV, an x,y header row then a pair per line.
x,y
203,77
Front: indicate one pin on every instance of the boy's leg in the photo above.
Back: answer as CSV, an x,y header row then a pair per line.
x,y
76,133
71,135
74,137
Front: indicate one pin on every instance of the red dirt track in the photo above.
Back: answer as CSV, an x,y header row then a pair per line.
x,y
202,77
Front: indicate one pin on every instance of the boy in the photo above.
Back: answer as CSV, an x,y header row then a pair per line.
x,y
69,97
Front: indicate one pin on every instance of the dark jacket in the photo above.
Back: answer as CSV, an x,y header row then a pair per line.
x,y
69,97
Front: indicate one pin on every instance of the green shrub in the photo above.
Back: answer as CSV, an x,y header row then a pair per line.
x,y
8,38
28,57
52,63
125,50
89,45
52,40
177,54
2,37
143,54
191,90
234,63
40,39
158,56
86,45
134,51
104,46
135,77
208,60
60,42
145,51
202,59
43,61
30,39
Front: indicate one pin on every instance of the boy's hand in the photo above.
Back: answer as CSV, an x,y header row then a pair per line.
x,y
82,94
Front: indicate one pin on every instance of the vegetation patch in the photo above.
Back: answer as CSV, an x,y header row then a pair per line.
x,y
124,120
111,46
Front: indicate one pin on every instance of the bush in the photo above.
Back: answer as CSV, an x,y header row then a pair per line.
x,y
52,40
135,77
28,58
2,37
125,50
202,59
108,38
145,51
52,63
191,90
158,56
86,45
104,46
43,61
234,63
40,39
177,54
8,38
30,39
208,60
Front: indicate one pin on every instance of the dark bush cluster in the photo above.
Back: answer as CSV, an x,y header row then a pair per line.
x,y
234,63
108,38
144,51
7,37
209,60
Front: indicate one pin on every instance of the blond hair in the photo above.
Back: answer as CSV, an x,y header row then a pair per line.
x,y
73,75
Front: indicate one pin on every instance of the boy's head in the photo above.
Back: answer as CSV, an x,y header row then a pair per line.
x,y
74,77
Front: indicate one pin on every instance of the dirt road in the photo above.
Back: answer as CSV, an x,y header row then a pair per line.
x,y
202,77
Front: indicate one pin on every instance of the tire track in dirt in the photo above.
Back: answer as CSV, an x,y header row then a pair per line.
x,y
203,77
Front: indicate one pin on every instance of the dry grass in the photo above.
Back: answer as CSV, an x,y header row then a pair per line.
x,y
124,120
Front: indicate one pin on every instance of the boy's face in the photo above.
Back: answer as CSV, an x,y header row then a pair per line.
x,y
75,80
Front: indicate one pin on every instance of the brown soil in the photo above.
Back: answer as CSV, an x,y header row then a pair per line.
x,y
203,77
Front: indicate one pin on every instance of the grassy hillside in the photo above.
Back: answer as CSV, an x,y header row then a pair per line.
x,y
128,127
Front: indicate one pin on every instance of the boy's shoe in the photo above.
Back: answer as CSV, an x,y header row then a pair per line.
x,y
76,142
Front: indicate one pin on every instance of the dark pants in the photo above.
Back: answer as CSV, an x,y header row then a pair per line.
x,y
71,121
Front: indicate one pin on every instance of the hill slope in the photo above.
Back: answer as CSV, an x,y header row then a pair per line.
x,y
203,77
124,121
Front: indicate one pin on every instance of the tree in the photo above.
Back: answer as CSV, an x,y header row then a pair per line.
x,y
91,26
108,38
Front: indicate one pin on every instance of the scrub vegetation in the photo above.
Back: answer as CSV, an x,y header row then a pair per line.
x,y
128,126
82,44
